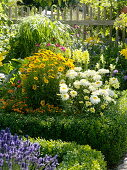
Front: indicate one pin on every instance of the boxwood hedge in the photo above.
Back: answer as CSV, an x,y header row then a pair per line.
x,y
107,133
72,156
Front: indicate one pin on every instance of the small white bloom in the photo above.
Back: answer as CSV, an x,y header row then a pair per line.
x,y
77,84
110,92
95,93
103,92
113,80
94,99
84,82
83,74
86,91
65,96
71,74
62,81
103,71
63,88
97,77
73,93
92,88
98,83
108,99
2,76
91,73
78,68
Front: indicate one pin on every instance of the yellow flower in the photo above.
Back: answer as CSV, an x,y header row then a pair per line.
x,y
88,103
60,69
34,87
42,65
45,80
31,65
1,63
86,97
124,52
42,103
23,90
35,78
29,69
92,110
103,106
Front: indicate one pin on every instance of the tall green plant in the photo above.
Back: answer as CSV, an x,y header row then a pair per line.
x,y
34,31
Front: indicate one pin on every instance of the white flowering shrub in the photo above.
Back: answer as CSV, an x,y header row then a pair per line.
x,y
87,91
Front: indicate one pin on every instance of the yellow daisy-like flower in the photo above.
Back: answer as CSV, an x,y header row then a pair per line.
x,y
60,69
34,87
35,78
92,110
42,103
124,52
86,97
45,80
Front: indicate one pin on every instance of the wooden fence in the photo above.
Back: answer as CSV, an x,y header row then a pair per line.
x,y
91,20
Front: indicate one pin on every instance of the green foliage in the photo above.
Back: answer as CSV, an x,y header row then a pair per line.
x,y
107,133
35,30
72,156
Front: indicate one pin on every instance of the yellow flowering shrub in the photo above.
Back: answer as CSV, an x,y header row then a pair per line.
x,y
40,75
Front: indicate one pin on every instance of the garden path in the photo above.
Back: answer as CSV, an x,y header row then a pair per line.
x,y
123,165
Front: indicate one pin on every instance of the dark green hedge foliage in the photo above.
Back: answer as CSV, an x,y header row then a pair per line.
x,y
107,133
72,156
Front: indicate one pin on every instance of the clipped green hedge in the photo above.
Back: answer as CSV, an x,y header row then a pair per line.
x,y
107,133
72,156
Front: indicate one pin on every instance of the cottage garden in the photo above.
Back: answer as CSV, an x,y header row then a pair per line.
x,y
63,98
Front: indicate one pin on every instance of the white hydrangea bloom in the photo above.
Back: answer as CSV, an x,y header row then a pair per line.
x,y
73,93
84,82
71,74
103,71
94,99
63,88
65,96
77,84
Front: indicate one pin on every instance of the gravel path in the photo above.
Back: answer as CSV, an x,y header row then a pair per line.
x,y
123,165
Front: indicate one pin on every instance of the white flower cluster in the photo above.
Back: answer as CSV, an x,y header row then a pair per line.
x,y
87,87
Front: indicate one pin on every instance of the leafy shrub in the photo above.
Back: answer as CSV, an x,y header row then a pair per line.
x,y
107,133
18,154
33,31
72,156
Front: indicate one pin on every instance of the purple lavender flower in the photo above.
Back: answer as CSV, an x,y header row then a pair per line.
x,y
115,71
125,77
15,151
